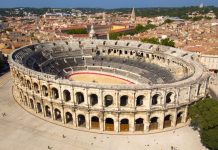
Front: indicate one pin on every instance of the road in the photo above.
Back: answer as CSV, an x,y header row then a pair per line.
x,y
20,130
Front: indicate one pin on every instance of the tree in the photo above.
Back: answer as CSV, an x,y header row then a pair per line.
x,y
76,31
151,40
204,116
167,42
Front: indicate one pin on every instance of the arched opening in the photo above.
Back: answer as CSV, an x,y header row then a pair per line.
x,y
95,123
109,51
79,97
31,104
81,121
29,85
155,99
124,125
36,87
67,96
69,118
47,111
199,89
109,124
57,114
25,100
22,81
44,90
120,52
98,53
108,100
139,100
39,107
153,123
55,94
123,100
167,121
139,124
93,99
179,118
169,97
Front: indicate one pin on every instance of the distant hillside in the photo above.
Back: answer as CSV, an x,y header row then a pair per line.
x,y
148,12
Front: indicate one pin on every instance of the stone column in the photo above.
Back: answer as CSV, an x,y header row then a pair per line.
x,y
185,114
132,122
161,121
88,122
101,121
63,115
147,123
117,123
174,118
75,119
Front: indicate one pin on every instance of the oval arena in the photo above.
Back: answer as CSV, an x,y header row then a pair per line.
x,y
108,86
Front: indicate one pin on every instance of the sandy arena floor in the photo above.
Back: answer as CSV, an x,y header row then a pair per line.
x,y
99,78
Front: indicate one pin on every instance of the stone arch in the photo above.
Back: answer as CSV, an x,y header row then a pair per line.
x,y
36,87
81,121
95,122
124,125
153,123
139,124
22,81
109,124
108,100
44,90
199,89
69,118
124,100
179,117
25,100
47,111
120,52
39,107
140,100
66,95
31,104
170,97
80,98
57,114
55,93
156,99
29,84
167,121
93,99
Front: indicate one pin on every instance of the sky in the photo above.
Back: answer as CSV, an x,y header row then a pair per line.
x,y
104,3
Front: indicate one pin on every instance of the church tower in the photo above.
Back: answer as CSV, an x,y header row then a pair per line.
x,y
133,17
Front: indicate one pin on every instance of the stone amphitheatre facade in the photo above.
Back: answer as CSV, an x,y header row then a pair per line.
x,y
153,89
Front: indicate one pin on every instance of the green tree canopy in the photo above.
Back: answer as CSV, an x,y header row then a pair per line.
x,y
204,115
153,40
76,31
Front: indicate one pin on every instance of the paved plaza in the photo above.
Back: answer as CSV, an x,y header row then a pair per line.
x,y
20,130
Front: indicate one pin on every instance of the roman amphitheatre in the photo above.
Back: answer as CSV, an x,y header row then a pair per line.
x,y
106,86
